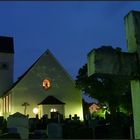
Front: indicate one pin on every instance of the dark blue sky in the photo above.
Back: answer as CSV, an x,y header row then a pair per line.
x,y
68,29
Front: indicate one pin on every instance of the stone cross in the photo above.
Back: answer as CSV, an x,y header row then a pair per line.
x,y
75,117
25,104
104,61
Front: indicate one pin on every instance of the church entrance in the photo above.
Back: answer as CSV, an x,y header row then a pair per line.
x,y
54,113
53,107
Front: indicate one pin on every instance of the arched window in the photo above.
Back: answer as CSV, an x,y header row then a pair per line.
x,y
46,84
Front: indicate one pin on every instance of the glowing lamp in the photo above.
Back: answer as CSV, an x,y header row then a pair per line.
x,y
104,107
53,110
35,110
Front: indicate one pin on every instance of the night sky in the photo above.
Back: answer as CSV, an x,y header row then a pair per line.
x,y
68,29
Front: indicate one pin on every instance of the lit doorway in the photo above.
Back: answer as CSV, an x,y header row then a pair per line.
x,y
54,113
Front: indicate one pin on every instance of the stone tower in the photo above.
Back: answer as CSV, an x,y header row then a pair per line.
x,y
6,63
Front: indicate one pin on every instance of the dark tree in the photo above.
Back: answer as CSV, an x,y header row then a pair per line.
x,y
115,91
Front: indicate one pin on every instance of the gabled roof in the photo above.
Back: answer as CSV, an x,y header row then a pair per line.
x,y
51,100
6,44
50,55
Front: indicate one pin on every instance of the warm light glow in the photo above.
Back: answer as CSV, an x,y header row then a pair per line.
x,y
104,107
94,108
35,110
46,84
53,110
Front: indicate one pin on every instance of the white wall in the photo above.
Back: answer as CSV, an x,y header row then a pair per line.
x,y
30,89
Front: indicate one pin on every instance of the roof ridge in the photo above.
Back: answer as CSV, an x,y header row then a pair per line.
x,y
48,51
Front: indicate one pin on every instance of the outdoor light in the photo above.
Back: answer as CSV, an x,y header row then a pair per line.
x,y
104,107
35,110
53,110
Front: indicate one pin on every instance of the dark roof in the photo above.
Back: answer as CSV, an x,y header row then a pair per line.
x,y
51,100
6,44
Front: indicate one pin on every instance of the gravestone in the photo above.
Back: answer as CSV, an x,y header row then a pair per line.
x,y
70,116
12,130
109,62
54,130
33,122
75,118
18,122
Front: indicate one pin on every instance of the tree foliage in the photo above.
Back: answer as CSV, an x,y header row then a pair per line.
x,y
112,90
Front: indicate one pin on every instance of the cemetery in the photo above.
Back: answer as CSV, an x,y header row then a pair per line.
x,y
66,116
18,126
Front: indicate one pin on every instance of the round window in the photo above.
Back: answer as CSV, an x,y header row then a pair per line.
x,y
46,84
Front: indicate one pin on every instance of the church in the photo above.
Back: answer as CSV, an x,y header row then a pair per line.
x,y
44,89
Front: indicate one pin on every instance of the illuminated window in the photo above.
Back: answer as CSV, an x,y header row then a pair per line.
x,y
46,84
53,110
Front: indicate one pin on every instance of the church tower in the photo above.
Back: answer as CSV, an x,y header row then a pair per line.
x,y
6,63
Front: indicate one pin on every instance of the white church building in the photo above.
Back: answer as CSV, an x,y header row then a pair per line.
x,y
45,88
